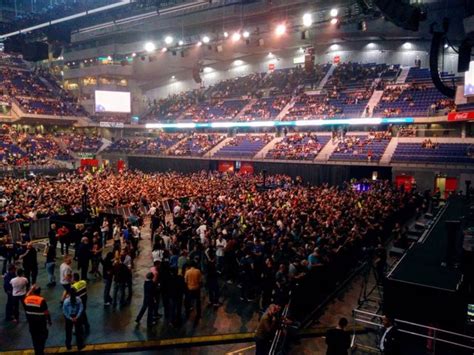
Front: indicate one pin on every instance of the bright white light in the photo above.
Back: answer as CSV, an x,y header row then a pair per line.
x,y
238,62
246,34
173,77
301,50
199,44
334,47
334,21
446,46
226,34
164,49
407,45
334,12
168,40
280,29
371,45
270,55
236,36
206,39
180,43
134,54
307,20
207,69
109,58
150,47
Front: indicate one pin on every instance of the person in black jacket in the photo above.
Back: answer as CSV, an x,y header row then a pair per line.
x,y
390,340
83,257
108,275
30,263
177,290
338,339
148,300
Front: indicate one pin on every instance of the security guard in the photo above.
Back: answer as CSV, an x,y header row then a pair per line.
x,y
81,291
37,314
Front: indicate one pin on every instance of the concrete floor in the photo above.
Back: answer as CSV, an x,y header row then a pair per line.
x,y
118,325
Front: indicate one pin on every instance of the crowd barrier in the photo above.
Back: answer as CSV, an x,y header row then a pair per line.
x,y
37,229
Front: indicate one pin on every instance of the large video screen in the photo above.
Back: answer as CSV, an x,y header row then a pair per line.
x,y
112,101
469,80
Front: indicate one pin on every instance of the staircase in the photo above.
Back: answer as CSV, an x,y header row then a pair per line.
x,y
244,109
373,102
263,153
105,144
326,152
460,99
285,110
387,155
403,75
326,77
218,147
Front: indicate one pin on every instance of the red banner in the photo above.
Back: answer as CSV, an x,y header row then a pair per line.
x,y
461,116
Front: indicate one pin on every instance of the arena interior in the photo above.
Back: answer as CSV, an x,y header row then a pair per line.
x,y
237,177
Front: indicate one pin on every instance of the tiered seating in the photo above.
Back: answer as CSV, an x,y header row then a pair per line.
x,y
237,87
33,94
81,143
197,145
298,146
415,100
171,108
244,146
149,146
391,72
217,111
423,76
311,106
361,148
354,75
28,149
436,153
266,108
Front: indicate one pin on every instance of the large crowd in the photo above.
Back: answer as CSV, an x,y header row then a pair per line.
x,y
224,228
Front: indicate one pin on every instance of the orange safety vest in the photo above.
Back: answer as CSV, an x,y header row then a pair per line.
x,y
32,305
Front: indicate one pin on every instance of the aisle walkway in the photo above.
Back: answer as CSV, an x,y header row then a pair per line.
x,y
118,325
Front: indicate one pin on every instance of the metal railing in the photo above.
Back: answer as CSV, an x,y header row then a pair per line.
x,y
431,337
37,229
279,339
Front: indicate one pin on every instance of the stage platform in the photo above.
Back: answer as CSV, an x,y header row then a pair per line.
x,y
420,288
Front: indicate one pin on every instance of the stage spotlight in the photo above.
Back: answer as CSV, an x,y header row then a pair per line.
x,y
150,47
206,39
407,45
334,12
168,40
134,54
236,36
109,58
307,20
199,44
180,43
226,34
334,21
280,29
246,34
164,49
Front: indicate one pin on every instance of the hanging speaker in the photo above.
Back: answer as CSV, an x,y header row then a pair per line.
x,y
35,51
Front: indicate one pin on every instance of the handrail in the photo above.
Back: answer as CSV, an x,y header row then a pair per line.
x,y
431,330
278,333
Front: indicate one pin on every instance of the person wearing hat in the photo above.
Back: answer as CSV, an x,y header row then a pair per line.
x,y
38,317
